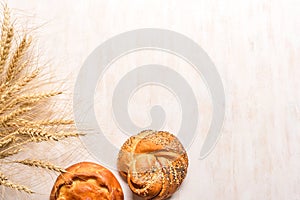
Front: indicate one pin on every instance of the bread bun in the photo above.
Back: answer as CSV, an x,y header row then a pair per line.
x,y
153,163
84,181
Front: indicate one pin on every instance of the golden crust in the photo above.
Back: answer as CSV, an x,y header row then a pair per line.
x,y
86,180
154,163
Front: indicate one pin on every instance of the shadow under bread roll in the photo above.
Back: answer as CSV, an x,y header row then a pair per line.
x,y
84,181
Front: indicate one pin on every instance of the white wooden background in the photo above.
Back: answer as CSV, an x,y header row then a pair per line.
x,y
255,46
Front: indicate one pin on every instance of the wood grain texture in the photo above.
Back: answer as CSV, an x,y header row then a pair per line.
x,y
255,46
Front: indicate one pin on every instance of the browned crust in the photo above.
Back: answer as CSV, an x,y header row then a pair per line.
x,y
154,164
77,185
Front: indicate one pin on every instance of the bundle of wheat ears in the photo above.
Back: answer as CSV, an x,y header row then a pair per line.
x,y
24,107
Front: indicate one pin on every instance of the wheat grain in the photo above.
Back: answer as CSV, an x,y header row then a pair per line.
x,y
5,153
3,177
42,164
4,31
5,141
37,124
55,122
15,186
7,45
21,66
13,114
64,134
19,53
18,70
7,135
5,182
37,134
29,99
18,86
16,146
19,122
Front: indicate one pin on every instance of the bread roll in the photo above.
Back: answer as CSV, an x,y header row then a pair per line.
x,y
153,163
84,181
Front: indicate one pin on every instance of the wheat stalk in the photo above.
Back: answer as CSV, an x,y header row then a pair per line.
x,y
23,114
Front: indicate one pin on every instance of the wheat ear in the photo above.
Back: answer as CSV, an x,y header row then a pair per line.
x,y
6,38
13,114
5,153
41,164
29,99
5,182
18,55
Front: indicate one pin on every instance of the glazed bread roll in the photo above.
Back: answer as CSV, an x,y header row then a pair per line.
x,y
153,163
84,181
